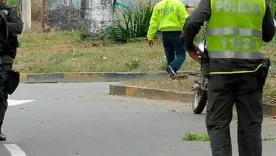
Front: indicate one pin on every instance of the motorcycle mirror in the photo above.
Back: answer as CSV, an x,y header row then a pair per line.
x,y
201,47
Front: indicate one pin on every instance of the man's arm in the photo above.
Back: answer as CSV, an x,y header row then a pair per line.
x,y
154,24
194,22
268,24
15,24
183,14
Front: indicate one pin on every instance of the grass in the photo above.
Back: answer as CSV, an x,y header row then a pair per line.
x,y
196,137
202,137
270,90
57,51
65,52
269,139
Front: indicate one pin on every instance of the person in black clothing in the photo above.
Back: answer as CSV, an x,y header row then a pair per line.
x,y
243,89
8,49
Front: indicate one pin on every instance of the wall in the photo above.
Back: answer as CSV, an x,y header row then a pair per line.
x,y
53,4
98,14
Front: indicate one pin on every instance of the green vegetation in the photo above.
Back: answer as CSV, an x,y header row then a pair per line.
x,y
196,137
273,7
59,51
13,2
131,23
204,137
269,139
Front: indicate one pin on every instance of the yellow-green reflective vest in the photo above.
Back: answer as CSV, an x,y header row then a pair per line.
x,y
234,37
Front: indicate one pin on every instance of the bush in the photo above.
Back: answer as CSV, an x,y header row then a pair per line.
x,y
131,23
132,64
273,7
13,2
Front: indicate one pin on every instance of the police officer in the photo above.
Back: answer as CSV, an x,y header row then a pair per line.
x,y
237,68
8,53
169,17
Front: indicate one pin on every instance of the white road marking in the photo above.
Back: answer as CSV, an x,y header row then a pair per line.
x,y
18,102
15,150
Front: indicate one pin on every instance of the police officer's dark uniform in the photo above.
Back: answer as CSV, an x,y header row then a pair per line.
x,y
237,68
8,53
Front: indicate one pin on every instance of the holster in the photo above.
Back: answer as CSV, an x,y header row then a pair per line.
x,y
262,72
11,81
205,63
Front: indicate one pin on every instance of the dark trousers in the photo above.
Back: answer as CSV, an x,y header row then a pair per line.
x,y
3,95
246,93
174,49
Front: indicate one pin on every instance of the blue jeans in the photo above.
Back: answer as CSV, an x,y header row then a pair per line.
x,y
174,49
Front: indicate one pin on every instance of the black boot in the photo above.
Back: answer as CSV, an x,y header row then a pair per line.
x,y
2,136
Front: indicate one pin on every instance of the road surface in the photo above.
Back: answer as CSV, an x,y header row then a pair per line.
x,y
83,120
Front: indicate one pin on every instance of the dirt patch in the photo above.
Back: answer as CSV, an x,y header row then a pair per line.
x,y
184,85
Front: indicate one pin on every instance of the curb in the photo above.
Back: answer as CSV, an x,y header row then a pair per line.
x,y
159,94
72,77
149,93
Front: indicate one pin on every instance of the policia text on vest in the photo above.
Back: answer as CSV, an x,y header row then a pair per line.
x,y
239,7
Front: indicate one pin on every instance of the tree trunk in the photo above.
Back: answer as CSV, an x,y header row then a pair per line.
x,y
99,15
83,7
43,14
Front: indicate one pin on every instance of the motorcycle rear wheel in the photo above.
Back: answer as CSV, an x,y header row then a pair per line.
x,y
200,101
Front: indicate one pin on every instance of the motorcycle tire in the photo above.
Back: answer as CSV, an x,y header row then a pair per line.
x,y
200,101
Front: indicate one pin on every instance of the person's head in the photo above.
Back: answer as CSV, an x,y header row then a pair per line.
x,y
2,1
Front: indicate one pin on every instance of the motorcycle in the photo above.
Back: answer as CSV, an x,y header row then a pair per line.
x,y
200,90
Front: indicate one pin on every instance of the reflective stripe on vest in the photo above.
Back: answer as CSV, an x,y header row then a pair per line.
x,y
236,72
236,55
234,31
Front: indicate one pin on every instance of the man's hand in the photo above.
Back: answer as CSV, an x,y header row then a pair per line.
x,y
3,15
190,10
196,37
195,54
150,42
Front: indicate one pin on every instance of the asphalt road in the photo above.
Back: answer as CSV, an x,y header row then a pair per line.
x,y
83,120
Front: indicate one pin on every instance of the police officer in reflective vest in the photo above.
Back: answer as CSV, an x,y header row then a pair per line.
x,y
169,16
14,26
237,68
